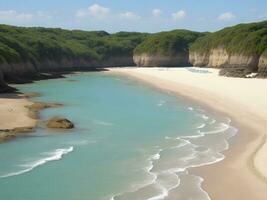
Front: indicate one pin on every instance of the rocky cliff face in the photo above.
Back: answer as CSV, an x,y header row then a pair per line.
x,y
146,60
262,67
231,64
77,64
21,72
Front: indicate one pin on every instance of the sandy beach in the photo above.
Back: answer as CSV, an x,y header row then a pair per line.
x,y
243,173
13,112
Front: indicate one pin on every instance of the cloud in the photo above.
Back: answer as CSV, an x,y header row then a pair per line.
x,y
179,15
228,16
156,12
95,10
129,15
12,15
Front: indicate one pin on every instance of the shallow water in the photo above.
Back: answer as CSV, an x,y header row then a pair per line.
x,y
130,142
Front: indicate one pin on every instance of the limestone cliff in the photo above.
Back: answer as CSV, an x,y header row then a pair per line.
x,y
146,60
262,67
165,49
232,64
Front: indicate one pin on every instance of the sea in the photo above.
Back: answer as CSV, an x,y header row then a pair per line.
x,y
130,142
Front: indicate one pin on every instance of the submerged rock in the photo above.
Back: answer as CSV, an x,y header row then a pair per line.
x,y
9,134
59,123
37,106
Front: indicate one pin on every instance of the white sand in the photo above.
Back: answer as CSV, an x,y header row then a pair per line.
x,y
241,175
13,113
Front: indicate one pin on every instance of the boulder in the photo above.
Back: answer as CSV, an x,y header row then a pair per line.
x,y
59,123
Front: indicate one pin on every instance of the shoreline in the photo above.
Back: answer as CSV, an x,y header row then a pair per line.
x,y
19,114
238,176
15,116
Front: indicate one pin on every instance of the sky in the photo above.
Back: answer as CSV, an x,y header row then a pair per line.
x,y
132,15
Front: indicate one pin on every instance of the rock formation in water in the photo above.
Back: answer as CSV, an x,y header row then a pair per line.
x,y
59,123
9,134
38,106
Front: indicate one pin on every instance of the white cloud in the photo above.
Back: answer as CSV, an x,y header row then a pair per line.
x,y
95,10
228,16
179,15
12,15
156,12
130,15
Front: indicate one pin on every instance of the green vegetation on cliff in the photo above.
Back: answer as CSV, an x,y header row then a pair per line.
x,y
23,45
246,39
168,43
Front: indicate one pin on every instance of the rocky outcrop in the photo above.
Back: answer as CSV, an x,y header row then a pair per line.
x,y
262,68
9,134
4,88
237,65
25,72
59,123
38,106
146,60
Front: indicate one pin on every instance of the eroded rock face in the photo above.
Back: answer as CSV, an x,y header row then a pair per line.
x,y
25,72
219,58
146,60
59,123
237,65
263,66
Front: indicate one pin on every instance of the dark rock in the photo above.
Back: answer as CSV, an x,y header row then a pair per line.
x,y
59,123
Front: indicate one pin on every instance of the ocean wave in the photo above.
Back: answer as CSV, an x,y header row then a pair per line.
x,y
148,169
201,126
200,150
205,117
190,108
221,128
51,156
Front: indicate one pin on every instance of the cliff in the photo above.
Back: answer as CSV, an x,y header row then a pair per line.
x,y
27,52
262,66
237,65
146,60
238,50
167,49
24,72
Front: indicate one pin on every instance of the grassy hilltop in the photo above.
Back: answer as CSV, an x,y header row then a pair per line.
x,y
246,39
18,44
168,43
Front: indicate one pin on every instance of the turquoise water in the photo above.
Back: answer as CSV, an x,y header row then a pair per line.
x,y
130,142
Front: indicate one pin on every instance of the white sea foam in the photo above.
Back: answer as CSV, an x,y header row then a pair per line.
x,y
103,123
221,128
205,117
190,108
196,158
52,156
212,121
201,126
148,169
